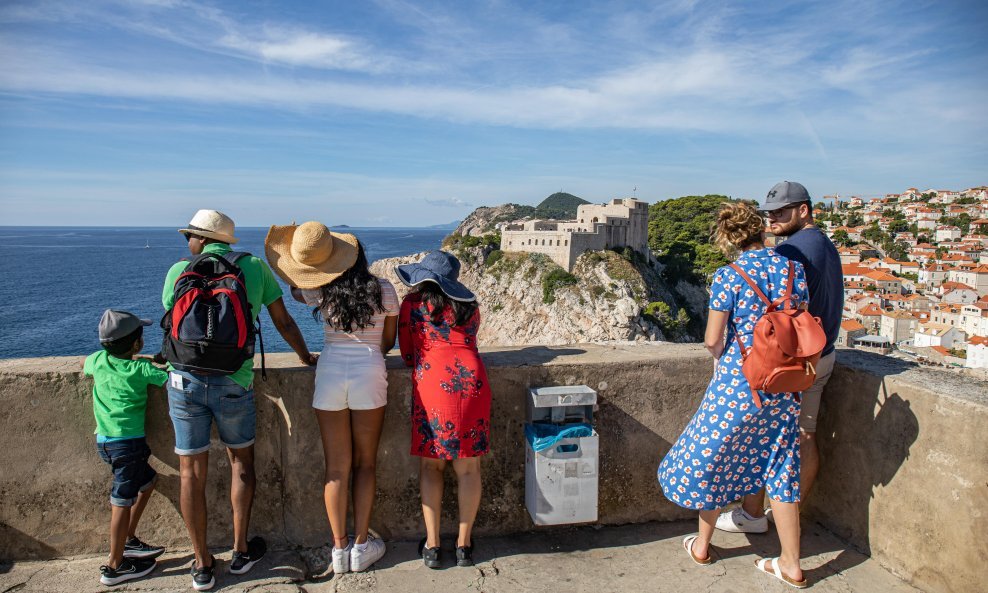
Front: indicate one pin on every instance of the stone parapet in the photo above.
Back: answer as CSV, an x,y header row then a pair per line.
x,y
904,477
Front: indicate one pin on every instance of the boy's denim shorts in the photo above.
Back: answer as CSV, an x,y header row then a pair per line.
x,y
200,400
131,472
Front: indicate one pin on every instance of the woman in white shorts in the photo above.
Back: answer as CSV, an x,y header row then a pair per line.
x,y
359,311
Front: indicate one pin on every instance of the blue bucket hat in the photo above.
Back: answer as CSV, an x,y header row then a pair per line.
x,y
438,267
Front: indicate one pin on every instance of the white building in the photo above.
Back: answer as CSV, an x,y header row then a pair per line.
x,y
621,223
932,334
977,353
947,233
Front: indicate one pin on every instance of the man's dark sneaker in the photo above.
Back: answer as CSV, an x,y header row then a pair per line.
x,y
244,561
202,577
431,557
135,548
464,556
129,569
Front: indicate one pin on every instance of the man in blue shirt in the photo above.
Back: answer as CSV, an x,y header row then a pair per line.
x,y
789,214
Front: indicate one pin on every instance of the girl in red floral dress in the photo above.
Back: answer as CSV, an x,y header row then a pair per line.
x,y
451,398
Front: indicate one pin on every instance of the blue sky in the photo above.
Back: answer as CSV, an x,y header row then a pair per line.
x,y
391,113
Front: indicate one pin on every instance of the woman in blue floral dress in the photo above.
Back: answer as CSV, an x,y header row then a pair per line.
x,y
731,447
451,397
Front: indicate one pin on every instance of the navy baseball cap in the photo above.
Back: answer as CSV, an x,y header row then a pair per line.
x,y
784,193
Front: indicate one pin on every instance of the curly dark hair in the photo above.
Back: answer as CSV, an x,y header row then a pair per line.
x,y
351,300
437,299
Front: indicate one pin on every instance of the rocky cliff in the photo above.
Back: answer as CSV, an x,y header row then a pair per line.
x,y
527,299
483,219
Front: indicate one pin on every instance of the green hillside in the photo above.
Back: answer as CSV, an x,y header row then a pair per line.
x,y
559,206
679,232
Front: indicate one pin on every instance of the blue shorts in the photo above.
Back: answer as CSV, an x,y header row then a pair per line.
x,y
131,472
200,400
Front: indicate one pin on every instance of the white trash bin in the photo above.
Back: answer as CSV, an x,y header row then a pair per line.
x,y
561,480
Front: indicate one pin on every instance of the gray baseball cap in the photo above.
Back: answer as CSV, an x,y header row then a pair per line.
x,y
785,193
119,324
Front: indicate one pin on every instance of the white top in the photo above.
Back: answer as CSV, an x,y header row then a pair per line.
x,y
370,335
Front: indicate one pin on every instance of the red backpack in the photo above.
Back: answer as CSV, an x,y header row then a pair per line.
x,y
786,344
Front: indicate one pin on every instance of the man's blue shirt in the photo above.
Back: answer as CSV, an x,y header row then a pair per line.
x,y
824,277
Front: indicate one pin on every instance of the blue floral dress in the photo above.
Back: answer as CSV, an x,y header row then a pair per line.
x,y
731,447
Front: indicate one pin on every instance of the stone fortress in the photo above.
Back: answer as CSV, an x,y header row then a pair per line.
x,y
621,223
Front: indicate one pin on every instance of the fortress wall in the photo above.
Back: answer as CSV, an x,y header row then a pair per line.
x,y
904,476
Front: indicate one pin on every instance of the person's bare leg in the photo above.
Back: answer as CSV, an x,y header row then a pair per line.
x,y
366,434
754,504
243,481
119,522
137,510
431,488
707,524
786,516
334,427
809,463
192,502
468,489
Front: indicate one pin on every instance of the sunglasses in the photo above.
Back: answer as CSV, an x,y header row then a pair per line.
x,y
778,211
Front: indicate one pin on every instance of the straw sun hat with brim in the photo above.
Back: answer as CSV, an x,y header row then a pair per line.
x,y
439,268
309,255
211,224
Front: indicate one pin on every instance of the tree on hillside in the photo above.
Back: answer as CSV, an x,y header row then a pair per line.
x,y
841,238
855,219
559,206
679,232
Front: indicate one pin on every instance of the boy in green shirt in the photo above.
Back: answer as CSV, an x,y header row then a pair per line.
x,y
119,400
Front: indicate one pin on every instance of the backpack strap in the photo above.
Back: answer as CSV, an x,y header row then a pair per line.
x,y
235,256
752,284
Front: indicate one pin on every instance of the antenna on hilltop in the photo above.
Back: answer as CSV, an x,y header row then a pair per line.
x,y
635,191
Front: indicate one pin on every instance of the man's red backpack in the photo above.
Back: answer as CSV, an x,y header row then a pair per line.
x,y
786,344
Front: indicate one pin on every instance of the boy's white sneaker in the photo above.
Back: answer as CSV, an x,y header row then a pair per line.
x,y
738,521
361,557
341,558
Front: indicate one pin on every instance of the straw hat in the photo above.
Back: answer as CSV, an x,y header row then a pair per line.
x,y
211,224
309,255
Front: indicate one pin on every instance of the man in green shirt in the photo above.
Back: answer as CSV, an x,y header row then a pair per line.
x,y
195,400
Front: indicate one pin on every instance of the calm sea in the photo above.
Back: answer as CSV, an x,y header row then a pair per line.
x,y
57,281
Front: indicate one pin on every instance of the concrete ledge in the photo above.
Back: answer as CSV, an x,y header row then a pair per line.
x,y
904,477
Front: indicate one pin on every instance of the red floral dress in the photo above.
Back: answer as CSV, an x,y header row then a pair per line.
x,y
451,398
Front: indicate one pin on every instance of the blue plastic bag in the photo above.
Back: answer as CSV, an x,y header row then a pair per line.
x,y
542,436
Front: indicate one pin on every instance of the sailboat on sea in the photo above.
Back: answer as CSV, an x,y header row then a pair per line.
x,y
147,245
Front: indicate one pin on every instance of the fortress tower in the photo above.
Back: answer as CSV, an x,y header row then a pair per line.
x,y
621,223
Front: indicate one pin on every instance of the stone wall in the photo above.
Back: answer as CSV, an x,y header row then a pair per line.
x,y
904,477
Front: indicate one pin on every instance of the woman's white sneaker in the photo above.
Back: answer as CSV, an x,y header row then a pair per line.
x,y
341,558
738,521
363,556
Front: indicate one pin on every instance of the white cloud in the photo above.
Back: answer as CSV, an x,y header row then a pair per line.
x,y
449,202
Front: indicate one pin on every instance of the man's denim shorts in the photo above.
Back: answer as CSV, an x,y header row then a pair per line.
x,y
203,398
131,472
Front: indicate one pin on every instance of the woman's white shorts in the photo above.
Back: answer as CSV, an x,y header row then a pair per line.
x,y
350,376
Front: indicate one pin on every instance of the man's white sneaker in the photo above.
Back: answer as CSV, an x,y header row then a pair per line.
x,y
341,558
738,521
361,560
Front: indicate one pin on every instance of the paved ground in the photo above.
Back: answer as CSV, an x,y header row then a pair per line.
x,y
634,558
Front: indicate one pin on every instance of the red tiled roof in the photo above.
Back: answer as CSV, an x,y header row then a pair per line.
x,y
978,341
850,325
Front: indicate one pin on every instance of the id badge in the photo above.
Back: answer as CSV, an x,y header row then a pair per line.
x,y
176,381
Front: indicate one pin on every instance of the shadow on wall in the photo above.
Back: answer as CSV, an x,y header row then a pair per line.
x,y
863,452
25,546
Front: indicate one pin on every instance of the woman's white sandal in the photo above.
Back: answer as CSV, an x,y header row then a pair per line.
x,y
688,546
777,572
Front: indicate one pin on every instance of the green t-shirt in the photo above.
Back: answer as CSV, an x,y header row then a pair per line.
x,y
262,290
120,393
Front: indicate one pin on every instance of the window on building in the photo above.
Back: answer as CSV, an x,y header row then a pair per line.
x,y
566,243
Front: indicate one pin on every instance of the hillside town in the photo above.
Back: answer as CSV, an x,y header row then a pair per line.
x,y
915,273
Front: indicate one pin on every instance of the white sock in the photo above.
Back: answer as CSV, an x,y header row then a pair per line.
x,y
361,547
